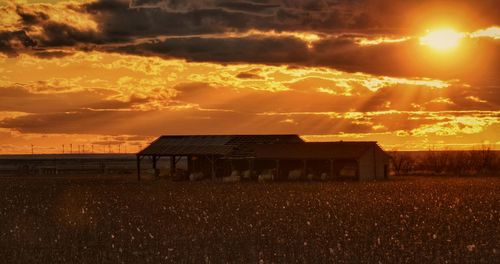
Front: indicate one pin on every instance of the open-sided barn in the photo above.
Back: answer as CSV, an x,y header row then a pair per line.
x,y
265,157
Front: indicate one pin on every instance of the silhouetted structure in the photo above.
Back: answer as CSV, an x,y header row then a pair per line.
x,y
67,165
265,157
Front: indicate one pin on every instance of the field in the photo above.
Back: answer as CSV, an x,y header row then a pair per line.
x,y
404,220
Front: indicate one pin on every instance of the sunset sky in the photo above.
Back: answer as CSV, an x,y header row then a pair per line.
x,y
408,74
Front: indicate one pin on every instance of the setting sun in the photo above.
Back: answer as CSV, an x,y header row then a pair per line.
x,y
442,39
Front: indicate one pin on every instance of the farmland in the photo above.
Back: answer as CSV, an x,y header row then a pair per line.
x,y
403,220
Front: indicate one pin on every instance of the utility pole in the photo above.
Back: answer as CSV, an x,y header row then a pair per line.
x,y
70,148
63,148
83,146
92,146
32,147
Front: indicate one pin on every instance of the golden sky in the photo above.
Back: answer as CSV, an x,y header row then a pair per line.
x,y
109,73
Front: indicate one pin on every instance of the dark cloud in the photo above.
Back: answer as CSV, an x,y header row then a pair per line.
x,y
59,34
175,5
328,15
247,6
122,20
406,59
38,24
119,22
251,74
339,22
244,50
11,42
31,17
52,54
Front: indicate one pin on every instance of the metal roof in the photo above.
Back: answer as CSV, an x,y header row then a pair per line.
x,y
308,150
180,150
210,144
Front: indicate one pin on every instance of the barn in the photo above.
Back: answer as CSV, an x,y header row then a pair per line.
x,y
263,157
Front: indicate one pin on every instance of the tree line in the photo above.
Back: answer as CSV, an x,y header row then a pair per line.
x,y
483,161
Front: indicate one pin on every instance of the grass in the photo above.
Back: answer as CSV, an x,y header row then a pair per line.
x,y
407,220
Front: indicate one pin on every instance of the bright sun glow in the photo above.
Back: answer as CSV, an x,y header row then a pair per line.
x,y
442,39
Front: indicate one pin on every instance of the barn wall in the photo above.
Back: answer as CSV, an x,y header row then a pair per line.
x,y
381,160
371,164
366,169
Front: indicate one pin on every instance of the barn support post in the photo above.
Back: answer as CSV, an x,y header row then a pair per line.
x,y
358,176
138,167
154,166
172,166
250,167
277,169
304,167
212,166
332,171
189,164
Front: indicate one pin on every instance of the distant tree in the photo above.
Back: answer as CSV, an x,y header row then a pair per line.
x,y
486,160
436,161
460,163
402,162
482,160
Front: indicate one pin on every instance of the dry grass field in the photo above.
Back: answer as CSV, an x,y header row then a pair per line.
x,y
406,220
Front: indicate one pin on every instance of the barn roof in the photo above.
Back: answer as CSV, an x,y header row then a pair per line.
x,y
256,146
309,150
211,144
